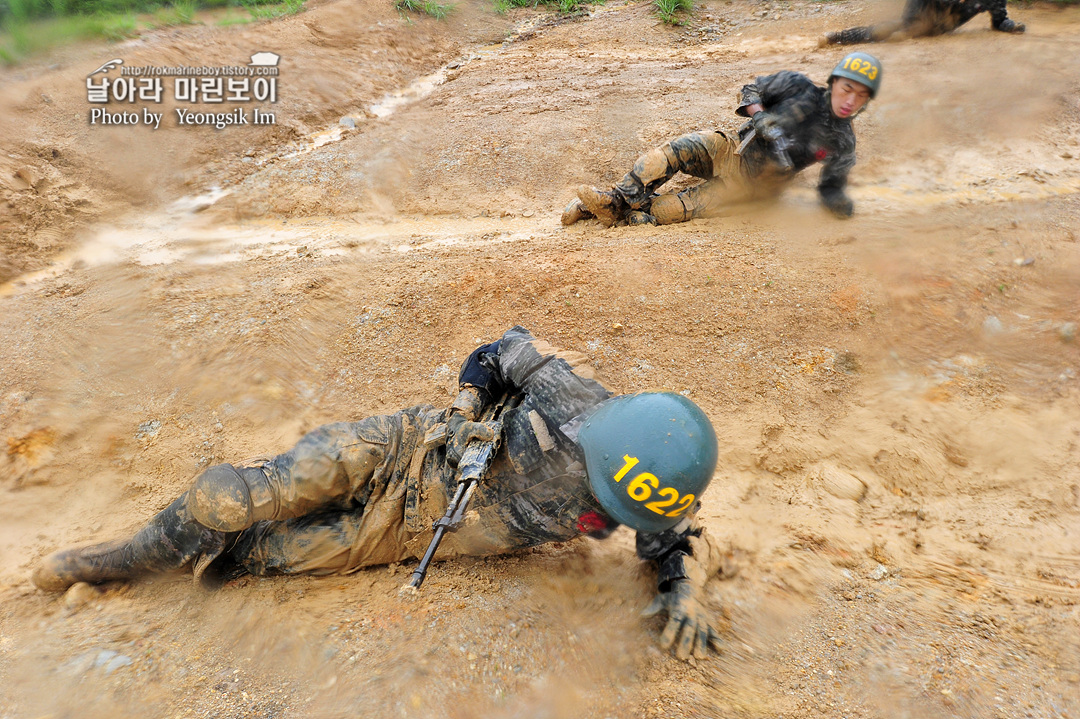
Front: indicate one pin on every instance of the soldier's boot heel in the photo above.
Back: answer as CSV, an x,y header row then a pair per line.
x,y
1011,26
168,542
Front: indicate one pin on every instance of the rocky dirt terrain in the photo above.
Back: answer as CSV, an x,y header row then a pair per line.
x,y
896,395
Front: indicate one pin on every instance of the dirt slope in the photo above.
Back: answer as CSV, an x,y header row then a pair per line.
x,y
896,395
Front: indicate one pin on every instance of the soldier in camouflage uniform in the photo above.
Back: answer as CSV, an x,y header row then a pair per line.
x,y
923,18
785,109
356,494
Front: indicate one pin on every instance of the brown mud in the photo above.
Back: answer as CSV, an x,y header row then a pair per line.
x,y
896,395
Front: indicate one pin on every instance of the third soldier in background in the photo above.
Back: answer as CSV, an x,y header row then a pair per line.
x,y
928,17
793,124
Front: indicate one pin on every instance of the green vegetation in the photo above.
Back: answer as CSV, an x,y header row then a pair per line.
x,y
179,13
666,9
23,10
260,10
19,39
28,27
562,5
433,8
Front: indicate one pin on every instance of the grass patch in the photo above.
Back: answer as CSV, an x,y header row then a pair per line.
x,y
266,11
119,27
22,10
179,13
230,18
22,38
561,5
433,8
667,10
29,27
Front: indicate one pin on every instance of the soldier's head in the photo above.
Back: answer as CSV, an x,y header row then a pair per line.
x,y
649,456
854,82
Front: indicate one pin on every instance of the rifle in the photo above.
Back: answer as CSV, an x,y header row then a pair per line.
x,y
779,142
474,464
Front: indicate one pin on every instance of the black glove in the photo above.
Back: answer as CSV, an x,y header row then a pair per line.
x,y
460,431
688,621
841,206
771,130
766,124
481,370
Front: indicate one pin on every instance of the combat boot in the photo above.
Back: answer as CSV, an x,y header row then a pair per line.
x,y
1011,26
831,38
575,212
858,35
169,541
608,207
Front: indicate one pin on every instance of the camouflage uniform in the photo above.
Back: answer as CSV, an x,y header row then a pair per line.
x,y
355,494
927,18
803,112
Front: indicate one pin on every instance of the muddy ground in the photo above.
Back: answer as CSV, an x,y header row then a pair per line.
x,y
896,395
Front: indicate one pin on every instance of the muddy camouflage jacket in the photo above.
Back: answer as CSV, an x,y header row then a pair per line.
x,y
814,134
536,491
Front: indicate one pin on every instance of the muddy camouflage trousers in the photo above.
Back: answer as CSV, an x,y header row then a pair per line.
x,y
339,497
709,155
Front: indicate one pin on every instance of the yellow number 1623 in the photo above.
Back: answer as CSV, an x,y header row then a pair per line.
x,y
863,67
641,487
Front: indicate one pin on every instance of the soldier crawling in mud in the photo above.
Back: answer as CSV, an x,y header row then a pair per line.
x,y
923,18
794,124
573,461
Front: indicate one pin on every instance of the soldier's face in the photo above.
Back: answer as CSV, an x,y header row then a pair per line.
x,y
848,97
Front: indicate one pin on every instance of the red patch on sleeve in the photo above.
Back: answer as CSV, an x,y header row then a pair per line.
x,y
592,522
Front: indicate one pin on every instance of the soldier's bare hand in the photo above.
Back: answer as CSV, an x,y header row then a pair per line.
x,y
689,630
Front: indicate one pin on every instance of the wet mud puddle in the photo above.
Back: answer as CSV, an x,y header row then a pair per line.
x,y
176,234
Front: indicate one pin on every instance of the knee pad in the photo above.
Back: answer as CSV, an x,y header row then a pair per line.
x,y
230,499
668,209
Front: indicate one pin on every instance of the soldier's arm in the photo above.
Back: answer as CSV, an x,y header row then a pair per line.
x,y
557,386
686,557
786,92
562,384
833,182
686,551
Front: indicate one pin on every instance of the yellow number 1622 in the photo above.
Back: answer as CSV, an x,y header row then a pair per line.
x,y
641,487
